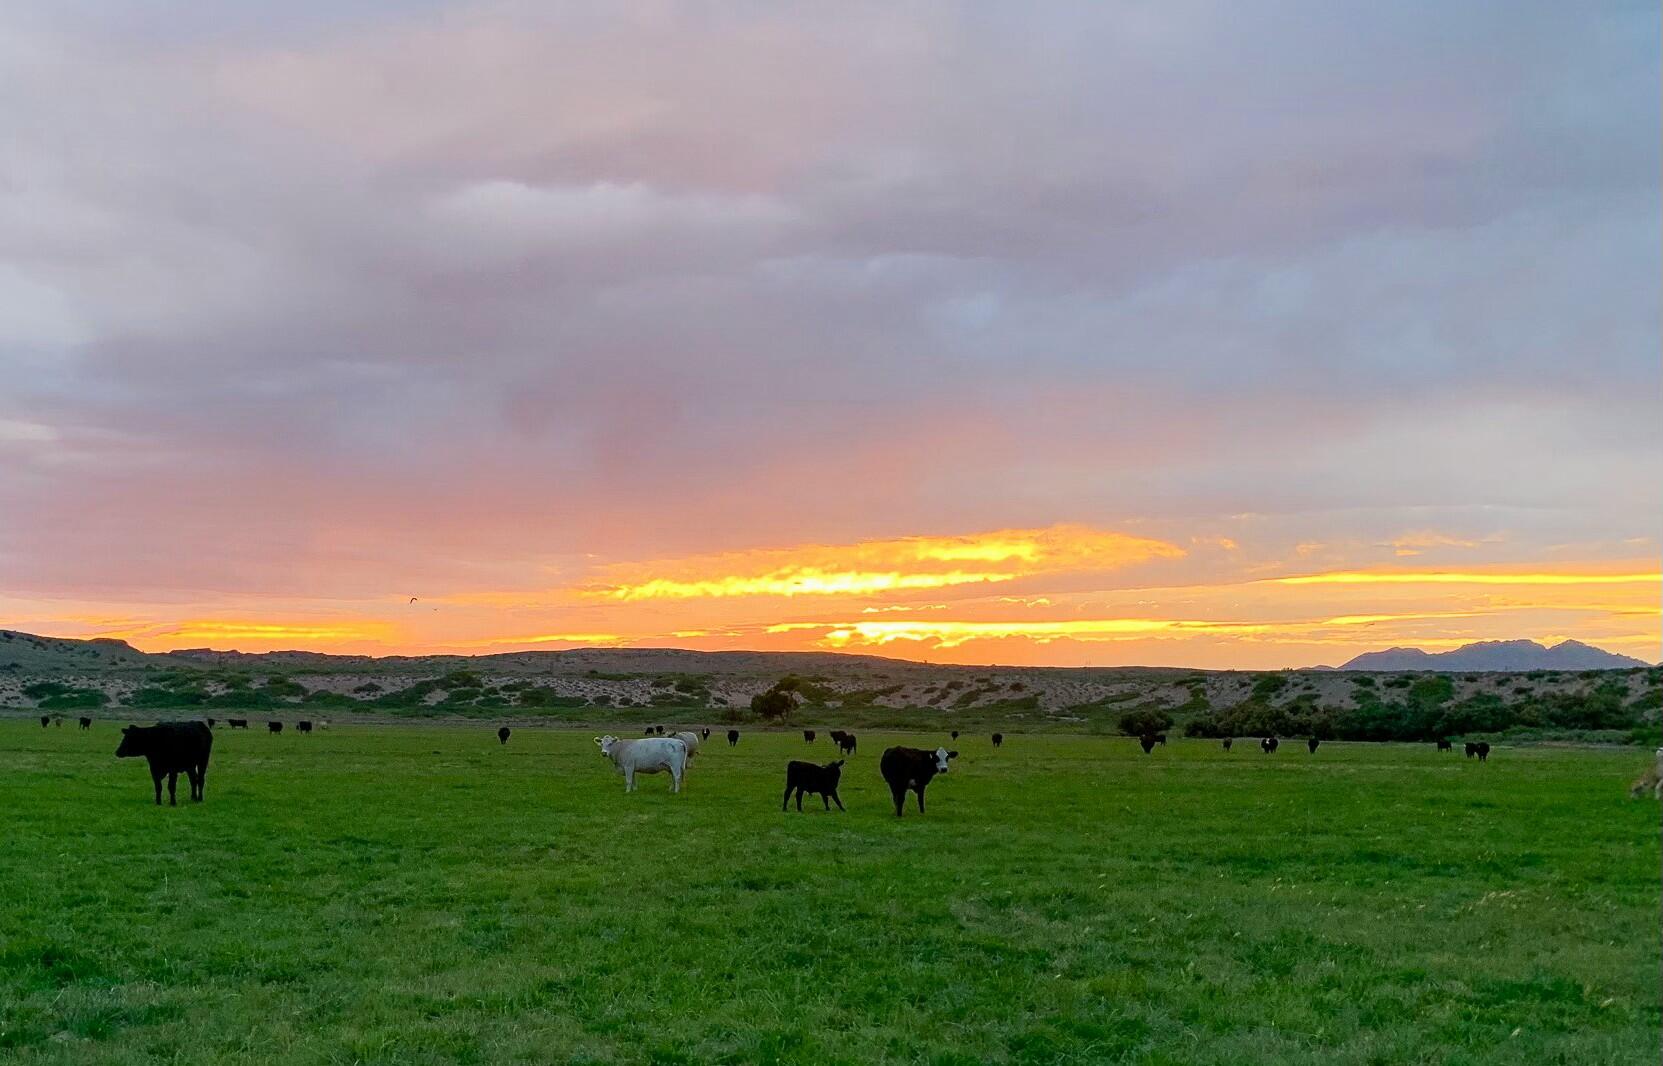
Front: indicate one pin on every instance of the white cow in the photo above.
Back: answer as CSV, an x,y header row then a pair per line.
x,y
649,755
691,740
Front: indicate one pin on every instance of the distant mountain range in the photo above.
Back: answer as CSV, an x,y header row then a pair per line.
x,y
1499,656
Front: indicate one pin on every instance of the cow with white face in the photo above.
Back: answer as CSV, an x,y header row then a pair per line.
x,y
650,755
910,769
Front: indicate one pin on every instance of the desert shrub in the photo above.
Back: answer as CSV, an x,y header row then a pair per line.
x,y
1269,685
775,704
1140,722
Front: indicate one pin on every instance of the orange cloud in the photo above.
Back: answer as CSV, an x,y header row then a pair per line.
x,y
1406,577
881,566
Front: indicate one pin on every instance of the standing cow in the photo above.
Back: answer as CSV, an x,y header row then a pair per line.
x,y
912,769
691,739
1147,743
733,737
86,723
503,734
651,755
1269,744
237,723
45,720
304,727
998,739
1228,741
822,781
1445,745
171,747
846,744
274,728
1312,745
808,735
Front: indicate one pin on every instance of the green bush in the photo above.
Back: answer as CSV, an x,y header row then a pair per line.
x,y
1142,722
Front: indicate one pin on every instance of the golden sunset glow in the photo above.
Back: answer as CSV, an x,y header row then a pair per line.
x,y
877,566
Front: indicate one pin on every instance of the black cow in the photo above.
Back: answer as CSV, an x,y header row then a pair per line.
x,y
1147,743
733,737
647,732
704,734
237,723
846,743
1480,749
210,723
503,734
1269,744
806,777
1445,745
911,768
808,735
45,720
1312,744
1472,749
169,748
955,734
86,723
998,739
274,727
1160,738
304,727
1228,741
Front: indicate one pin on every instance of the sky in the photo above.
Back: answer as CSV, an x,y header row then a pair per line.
x,y
1205,334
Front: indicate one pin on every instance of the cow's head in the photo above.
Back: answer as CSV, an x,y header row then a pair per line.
x,y
132,743
606,744
941,757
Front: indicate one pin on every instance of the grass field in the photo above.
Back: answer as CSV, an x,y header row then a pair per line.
x,y
418,894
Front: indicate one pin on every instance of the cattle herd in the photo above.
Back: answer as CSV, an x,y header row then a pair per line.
x,y
172,748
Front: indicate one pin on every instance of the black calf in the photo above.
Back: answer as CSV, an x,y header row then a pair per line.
x,y
822,781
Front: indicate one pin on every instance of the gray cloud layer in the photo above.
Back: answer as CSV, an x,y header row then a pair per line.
x,y
335,292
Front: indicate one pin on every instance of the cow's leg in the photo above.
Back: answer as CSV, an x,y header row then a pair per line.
x,y
785,801
920,791
838,801
675,779
899,794
825,797
173,788
202,781
629,780
156,776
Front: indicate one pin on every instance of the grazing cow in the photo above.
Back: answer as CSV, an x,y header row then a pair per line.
x,y
503,734
1269,744
1445,745
912,768
1482,750
86,723
45,720
651,756
837,736
304,727
998,739
691,739
733,737
169,748
1147,743
1312,744
237,723
820,780
647,732
808,735
846,743
274,727
955,734
1228,741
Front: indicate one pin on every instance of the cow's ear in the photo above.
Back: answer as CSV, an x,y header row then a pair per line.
x,y
952,755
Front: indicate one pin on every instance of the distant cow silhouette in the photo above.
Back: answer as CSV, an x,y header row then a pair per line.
x,y
274,727
304,727
998,739
502,735
808,735
1312,744
1269,744
733,737
45,720
86,723
1445,745
955,734
1147,742
1228,741
237,723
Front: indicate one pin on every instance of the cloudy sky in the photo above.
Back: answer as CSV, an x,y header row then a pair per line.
x,y
1213,334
